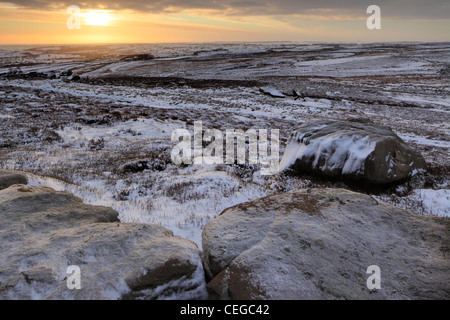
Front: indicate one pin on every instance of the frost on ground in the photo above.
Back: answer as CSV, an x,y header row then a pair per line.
x,y
107,136
424,201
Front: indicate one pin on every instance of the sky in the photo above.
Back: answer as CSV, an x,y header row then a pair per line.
x,y
150,21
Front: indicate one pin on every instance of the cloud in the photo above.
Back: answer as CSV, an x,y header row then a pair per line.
x,y
411,9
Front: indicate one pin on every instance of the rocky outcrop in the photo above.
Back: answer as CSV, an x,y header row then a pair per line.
x,y
353,151
43,232
138,57
66,75
319,243
9,178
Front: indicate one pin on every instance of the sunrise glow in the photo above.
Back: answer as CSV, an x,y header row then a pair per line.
x,y
97,18
45,22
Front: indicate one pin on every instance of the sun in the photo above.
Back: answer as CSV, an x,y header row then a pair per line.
x,y
97,18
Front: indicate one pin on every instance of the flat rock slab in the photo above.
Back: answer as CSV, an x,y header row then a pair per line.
x,y
9,178
351,150
274,93
43,232
319,243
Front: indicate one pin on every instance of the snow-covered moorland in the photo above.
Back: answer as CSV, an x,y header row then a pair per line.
x,y
106,137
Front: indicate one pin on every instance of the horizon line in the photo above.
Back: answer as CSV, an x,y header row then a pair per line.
x,y
309,42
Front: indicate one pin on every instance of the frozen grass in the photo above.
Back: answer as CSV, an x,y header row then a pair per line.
x,y
423,201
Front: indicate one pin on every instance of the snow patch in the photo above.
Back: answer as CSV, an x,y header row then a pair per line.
x,y
435,202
